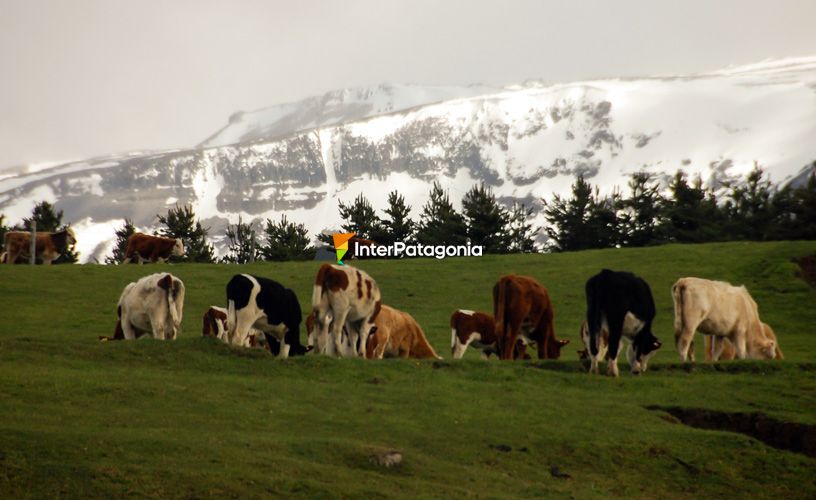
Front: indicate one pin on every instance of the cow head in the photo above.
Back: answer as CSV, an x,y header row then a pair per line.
x,y
178,248
554,347
764,345
645,345
70,236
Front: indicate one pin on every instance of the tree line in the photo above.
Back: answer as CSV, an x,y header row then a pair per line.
x,y
686,212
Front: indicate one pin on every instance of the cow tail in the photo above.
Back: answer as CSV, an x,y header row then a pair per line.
x,y
424,348
171,303
678,292
594,315
500,311
320,282
232,318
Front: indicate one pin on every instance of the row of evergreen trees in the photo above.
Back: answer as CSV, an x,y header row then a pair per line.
x,y
690,213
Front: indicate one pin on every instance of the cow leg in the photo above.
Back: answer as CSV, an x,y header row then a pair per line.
x,y
337,332
284,348
158,320
244,321
127,329
717,347
615,323
740,346
365,330
684,335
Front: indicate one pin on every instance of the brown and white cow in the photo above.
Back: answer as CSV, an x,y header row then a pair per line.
x,y
398,335
48,246
152,305
343,297
522,308
152,248
720,309
477,330
354,245
720,348
215,325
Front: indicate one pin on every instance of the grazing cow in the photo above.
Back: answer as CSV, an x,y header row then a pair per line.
x,y
522,308
265,305
152,248
48,246
344,297
720,348
720,309
477,329
622,304
215,325
398,335
152,305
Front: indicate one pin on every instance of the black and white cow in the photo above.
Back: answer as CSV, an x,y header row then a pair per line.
x,y
622,304
268,306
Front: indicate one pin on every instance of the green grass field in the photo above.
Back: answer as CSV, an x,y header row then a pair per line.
x,y
196,418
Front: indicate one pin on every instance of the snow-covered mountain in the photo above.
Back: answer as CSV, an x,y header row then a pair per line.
x,y
527,142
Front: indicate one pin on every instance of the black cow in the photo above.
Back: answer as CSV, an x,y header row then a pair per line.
x,y
268,306
610,296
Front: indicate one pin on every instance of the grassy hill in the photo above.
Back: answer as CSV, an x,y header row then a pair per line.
x,y
196,418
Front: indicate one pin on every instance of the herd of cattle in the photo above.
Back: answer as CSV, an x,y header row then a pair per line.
x,y
348,319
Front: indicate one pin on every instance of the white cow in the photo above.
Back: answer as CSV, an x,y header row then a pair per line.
x,y
152,305
343,298
720,309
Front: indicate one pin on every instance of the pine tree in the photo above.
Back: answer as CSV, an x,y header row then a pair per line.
x,y
794,212
3,230
692,214
122,235
520,231
642,214
49,220
243,244
180,222
287,241
439,223
749,208
583,221
398,226
359,217
486,220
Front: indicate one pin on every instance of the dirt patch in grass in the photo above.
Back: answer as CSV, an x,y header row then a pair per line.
x,y
807,269
789,436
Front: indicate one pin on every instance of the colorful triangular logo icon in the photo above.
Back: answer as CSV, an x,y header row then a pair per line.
x,y
341,245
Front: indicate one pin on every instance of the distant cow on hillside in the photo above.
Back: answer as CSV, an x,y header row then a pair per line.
x,y
48,247
143,247
478,330
398,335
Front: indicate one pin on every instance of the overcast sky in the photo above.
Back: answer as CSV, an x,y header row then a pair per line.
x,y
81,78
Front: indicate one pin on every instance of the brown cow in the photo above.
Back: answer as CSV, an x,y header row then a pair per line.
x,y
215,325
152,248
522,308
477,329
354,245
398,335
48,246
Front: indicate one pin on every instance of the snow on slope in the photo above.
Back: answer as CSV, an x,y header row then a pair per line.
x,y
527,142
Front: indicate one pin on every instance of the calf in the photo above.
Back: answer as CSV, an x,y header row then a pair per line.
x,y
152,305
344,297
142,246
523,309
397,334
717,348
720,309
265,305
477,329
48,246
215,325
621,303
